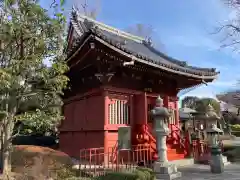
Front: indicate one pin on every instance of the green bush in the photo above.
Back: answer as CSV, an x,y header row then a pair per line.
x,y
145,173
118,176
235,127
65,173
138,174
236,133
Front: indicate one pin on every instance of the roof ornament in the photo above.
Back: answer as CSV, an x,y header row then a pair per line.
x,y
203,81
74,8
74,11
89,24
149,41
183,63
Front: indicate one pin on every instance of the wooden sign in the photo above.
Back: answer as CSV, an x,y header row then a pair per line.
x,y
124,138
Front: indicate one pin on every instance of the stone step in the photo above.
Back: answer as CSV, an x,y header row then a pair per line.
x,y
183,162
205,159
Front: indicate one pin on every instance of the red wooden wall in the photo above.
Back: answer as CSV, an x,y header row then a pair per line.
x,y
83,126
86,123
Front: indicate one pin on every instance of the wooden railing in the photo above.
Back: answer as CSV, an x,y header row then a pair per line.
x,y
145,136
176,131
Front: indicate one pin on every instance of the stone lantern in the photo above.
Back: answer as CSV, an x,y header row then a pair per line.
x,y
211,116
186,116
216,161
187,128
208,118
162,168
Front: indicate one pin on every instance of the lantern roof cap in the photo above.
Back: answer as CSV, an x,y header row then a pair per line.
x,y
211,113
214,129
210,107
186,109
159,101
159,109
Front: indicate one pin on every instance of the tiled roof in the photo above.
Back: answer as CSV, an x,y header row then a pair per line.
x,y
136,46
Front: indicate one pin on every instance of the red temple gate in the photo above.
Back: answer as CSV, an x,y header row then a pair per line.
x,y
115,78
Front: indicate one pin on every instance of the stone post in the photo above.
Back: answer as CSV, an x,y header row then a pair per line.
x,y
162,168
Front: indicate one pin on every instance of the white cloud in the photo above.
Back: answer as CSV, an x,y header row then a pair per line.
x,y
225,84
210,90
200,92
194,39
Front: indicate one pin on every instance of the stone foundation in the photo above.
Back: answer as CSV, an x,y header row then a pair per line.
x,y
166,171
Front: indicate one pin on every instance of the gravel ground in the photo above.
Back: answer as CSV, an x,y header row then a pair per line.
x,y
202,172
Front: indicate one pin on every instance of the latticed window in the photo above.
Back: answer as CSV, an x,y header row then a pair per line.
x,y
118,112
172,119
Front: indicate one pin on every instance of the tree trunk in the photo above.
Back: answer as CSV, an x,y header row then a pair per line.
x,y
6,152
7,145
1,149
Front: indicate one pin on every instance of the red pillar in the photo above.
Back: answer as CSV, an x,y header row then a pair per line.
x,y
166,104
140,109
105,105
105,116
145,109
166,101
132,118
177,113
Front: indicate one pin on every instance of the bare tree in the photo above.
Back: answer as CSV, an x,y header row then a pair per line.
x,y
142,30
90,8
147,32
231,27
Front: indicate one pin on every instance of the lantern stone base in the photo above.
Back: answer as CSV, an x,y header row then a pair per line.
x,y
225,160
166,171
217,164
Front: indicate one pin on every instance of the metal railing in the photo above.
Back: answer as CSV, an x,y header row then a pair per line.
x,y
201,150
95,162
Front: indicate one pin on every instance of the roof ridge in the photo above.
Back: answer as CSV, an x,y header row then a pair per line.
x,y
109,28
161,54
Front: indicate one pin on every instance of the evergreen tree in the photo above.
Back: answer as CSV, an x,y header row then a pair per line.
x,y
30,91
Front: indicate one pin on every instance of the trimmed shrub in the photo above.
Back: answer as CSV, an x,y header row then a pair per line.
x,y
138,174
233,155
235,127
118,176
145,173
236,133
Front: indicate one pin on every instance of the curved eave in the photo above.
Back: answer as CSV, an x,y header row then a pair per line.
x,y
202,77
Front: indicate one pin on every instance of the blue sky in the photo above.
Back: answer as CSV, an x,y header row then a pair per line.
x,y
185,28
